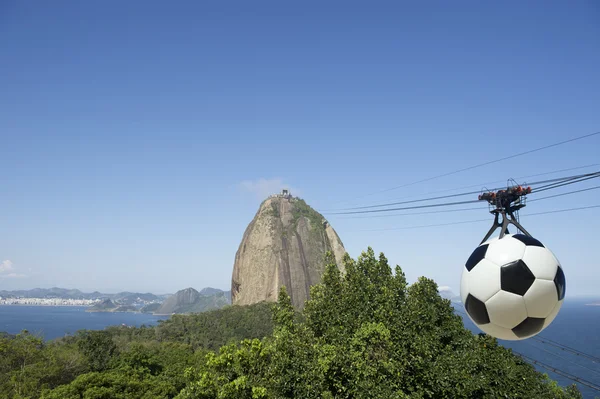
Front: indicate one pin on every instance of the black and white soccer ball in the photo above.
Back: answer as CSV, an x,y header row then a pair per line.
x,y
512,287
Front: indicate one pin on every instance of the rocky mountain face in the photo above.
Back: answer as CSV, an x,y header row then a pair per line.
x,y
285,244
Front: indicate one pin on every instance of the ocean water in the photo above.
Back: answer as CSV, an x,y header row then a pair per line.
x,y
56,321
576,326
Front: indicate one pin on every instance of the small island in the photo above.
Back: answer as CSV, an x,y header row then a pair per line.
x,y
597,303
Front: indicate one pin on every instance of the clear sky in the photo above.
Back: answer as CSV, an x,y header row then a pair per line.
x,y
138,138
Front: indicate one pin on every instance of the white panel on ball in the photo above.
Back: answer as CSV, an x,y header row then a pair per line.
x,y
483,280
505,250
506,309
498,332
540,298
541,261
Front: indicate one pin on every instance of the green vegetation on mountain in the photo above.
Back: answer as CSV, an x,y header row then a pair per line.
x,y
211,330
363,334
302,209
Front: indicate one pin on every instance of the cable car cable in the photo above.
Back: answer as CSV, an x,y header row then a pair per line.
x,y
500,181
555,181
563,358
405,208
567,193
595,175
478,208
484,164
567,348
477,220
571,181
560,372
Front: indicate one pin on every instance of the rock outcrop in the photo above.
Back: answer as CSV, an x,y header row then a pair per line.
x,y
285,244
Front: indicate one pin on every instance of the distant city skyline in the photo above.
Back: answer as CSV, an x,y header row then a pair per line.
x,y
138,139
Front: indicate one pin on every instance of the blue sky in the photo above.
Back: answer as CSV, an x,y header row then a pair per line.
x,y
138,138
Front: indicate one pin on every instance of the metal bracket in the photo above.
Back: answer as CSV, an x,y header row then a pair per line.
x,y
505,203
507,218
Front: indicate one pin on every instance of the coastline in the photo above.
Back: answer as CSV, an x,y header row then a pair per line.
x,y
47,305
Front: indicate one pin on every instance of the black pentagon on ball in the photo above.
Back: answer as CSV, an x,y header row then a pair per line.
x,y
476,257
527,240
516,277
561,283
529,326
477,310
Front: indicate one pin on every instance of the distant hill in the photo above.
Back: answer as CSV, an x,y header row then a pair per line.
x,y
105,306
64,293
55,292
191,301
130,298
109,306
208,291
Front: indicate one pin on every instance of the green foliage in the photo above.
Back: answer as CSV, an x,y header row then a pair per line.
x,y
123,362
302,209
97,347
28,365
213,329
363,334
275,209
114,384
230,373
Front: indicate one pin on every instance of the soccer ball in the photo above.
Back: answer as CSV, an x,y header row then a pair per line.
x,y
512,287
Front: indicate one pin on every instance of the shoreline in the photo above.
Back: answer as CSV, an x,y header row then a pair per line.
x,y
45,305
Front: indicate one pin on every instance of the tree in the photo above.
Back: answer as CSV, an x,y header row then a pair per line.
x,y
367,333
97,347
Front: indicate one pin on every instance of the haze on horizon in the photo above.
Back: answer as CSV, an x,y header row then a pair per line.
x,y
138,139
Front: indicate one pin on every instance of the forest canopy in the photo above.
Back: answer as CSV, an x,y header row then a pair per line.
x,y
364,334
